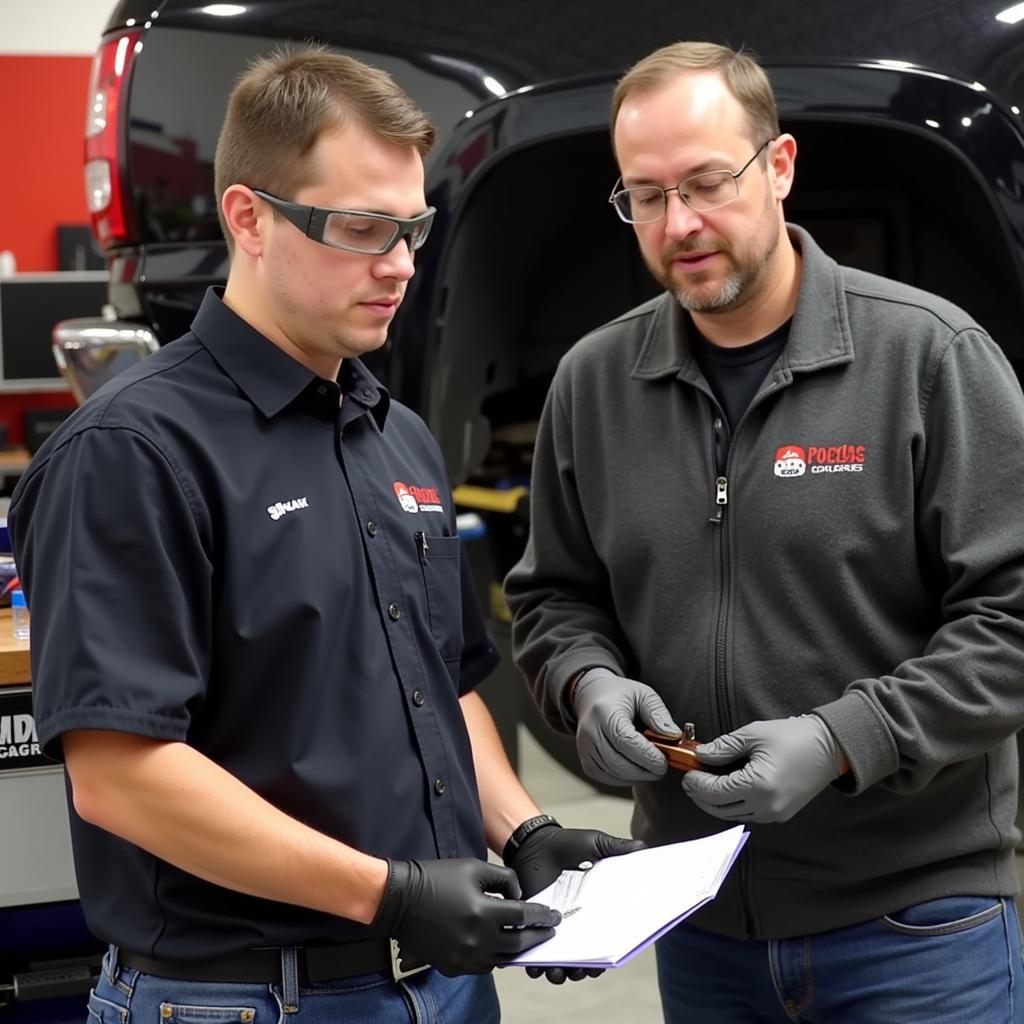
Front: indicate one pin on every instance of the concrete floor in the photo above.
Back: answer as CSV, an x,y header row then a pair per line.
x,y
627,994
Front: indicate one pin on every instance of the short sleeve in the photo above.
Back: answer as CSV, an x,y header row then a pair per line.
x,y
109,543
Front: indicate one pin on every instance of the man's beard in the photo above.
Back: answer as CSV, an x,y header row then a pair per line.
x,y
733,285
739,281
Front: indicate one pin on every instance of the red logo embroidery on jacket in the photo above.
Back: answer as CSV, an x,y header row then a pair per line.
x,y
795,459
790,460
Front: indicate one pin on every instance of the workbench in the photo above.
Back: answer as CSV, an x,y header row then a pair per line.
x,y
14,661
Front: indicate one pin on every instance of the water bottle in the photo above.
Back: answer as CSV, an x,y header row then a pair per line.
x,y
19,611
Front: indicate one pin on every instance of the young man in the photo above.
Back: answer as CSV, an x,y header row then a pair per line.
x,y
255,639
782,502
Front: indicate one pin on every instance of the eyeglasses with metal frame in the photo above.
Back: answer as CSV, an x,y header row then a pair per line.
x,y
371,234
644,204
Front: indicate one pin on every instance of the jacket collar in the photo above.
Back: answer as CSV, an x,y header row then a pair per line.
x,y
818,337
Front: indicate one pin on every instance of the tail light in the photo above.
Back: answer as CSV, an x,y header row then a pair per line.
x,y
105,193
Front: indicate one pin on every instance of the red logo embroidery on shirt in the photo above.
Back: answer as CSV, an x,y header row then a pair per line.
x,y
418,499
795,459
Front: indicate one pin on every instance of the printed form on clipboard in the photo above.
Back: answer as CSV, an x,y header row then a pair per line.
x,y
616,908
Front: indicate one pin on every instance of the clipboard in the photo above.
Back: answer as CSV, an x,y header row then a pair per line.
x,y
622,904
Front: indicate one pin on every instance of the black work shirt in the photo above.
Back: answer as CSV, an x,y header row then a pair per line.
x,y
216,552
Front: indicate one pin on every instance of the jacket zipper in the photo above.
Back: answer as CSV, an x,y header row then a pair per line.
x,y
722,451
720,455
721,445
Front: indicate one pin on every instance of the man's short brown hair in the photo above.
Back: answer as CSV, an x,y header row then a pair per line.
x,y
284,102
740,71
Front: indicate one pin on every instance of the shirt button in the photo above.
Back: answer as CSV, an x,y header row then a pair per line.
x,y
367,395
321,389
417,698
394,612
439,787
371,528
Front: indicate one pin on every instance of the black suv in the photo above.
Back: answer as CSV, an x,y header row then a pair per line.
x,y
907,115
911,165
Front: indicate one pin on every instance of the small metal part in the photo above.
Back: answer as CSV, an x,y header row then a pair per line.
x,y
689,731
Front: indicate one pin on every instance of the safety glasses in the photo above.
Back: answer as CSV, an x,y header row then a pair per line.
x,y
372,234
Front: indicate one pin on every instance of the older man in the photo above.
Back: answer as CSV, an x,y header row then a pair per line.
x,y
782,502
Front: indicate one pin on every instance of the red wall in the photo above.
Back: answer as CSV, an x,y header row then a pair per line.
x,y
42,128
13,408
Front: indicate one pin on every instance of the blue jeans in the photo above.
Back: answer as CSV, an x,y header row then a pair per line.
x,y
948,961
126,996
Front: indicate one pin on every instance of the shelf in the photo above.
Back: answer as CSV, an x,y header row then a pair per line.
x,y
14,460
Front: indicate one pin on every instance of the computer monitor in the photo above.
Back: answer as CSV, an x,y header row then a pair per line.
x,y
30,304
77,249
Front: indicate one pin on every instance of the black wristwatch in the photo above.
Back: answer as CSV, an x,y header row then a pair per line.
x,y
527,828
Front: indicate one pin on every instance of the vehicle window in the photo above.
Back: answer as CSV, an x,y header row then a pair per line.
x,y
178,95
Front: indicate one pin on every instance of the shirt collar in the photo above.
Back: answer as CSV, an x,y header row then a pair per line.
x,y
359,385
269,377
819,333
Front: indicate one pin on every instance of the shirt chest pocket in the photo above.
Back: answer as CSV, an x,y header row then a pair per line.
x,y
440,563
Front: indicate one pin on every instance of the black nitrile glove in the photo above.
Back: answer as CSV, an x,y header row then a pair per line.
x,y
560,975
610,747
544,855
439,911
549,851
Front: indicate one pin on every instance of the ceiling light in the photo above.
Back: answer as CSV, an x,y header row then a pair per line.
x,y
1012,14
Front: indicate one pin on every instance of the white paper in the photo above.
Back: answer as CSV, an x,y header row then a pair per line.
x,y
622,904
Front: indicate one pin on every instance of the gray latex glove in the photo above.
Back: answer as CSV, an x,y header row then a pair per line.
x,y
789,761
611,748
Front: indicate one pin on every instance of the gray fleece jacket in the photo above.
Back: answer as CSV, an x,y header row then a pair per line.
x,y
862,557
